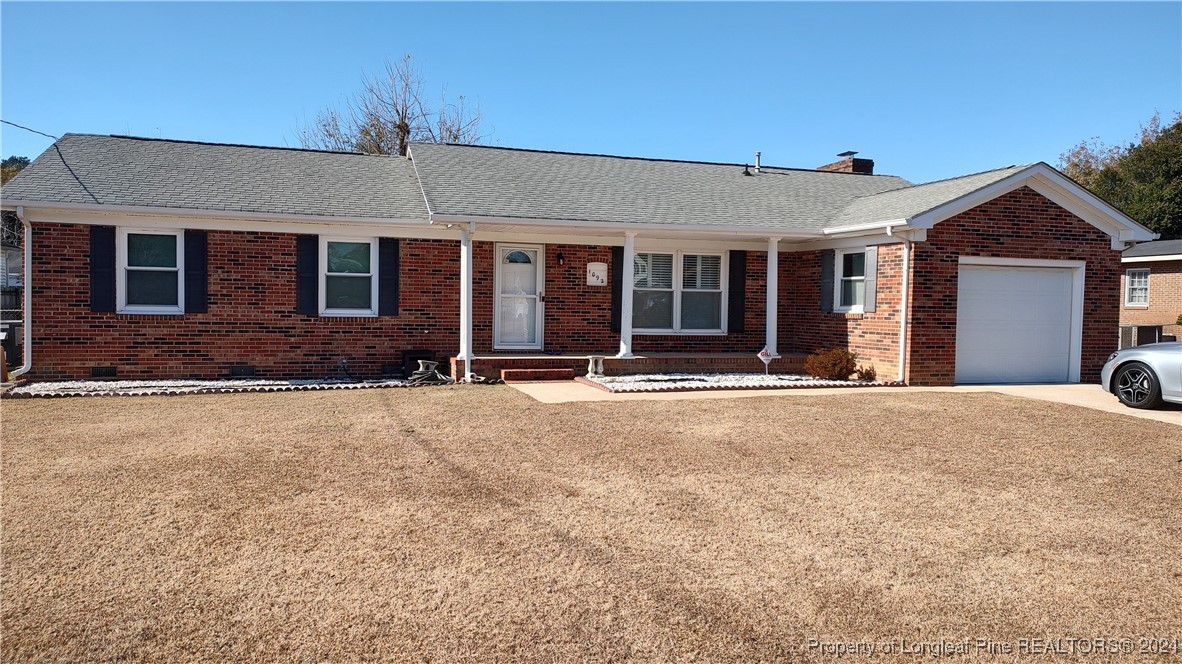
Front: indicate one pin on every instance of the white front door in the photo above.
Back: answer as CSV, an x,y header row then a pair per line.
x,y
520,288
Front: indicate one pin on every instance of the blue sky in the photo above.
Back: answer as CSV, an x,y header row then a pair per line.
x,y
927,90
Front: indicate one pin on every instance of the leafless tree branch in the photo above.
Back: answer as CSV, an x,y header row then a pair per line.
x,y
390,111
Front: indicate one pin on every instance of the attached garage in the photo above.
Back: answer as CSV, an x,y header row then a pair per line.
x,y
1018,321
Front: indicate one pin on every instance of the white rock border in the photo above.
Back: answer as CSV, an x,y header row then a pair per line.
x,y
692,382
139,388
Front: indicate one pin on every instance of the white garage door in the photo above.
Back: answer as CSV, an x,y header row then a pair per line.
x,y
1013,324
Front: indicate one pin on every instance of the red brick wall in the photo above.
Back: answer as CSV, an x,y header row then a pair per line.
x,y
1020,224
1165,296
251,319
805,328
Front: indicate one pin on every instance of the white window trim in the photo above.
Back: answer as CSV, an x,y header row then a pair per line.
x,y
322,278
123,307
678,268
837,277
1129,288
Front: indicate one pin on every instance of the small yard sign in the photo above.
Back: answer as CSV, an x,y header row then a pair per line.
x,y
767,358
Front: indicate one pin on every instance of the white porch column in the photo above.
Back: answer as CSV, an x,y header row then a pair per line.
x,y
772,306
466,297
627,280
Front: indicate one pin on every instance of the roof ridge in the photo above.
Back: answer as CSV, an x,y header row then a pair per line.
x,y
222,144
910,187
969,175
656,159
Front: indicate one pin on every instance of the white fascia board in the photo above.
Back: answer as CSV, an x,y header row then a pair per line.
x,y
1130,229
1152,259
111,216
855,241
182,219
875,226
1059,189
1119,229
624,227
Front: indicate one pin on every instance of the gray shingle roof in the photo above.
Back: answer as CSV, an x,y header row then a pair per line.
x,y
1156,248
110,170
467,180
911,201
503,182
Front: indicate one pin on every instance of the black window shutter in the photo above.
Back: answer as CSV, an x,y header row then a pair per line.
x,y
307,275
736,297
387,276
102,268
871,284
828,257
196,272
617,285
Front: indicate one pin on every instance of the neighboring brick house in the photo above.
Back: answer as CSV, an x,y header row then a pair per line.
x,y
171,258
1151,292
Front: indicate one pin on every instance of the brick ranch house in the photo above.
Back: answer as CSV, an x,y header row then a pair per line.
x,y
1151,292
180,259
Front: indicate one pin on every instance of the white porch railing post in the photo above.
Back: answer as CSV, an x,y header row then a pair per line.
x,y
466,298
627,280
772,306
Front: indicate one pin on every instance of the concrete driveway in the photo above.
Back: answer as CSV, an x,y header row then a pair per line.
x,y
1087,396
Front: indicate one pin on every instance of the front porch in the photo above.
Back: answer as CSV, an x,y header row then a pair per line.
x,y
551,367
663,303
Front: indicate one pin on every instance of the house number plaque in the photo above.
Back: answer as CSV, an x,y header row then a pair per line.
x,y
596,274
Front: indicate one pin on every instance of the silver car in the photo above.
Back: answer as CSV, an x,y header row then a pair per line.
x,y
1145,376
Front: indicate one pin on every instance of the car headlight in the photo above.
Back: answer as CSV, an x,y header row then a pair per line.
x,y
1113,356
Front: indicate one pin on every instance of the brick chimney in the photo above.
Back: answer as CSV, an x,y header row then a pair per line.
x,y
849,164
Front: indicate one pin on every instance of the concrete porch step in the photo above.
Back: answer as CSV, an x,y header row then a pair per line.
x,y
536,375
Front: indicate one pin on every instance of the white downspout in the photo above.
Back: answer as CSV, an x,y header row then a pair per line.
x,y
27,324
903,303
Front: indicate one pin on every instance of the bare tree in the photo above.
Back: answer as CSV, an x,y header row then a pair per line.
x,y
388,112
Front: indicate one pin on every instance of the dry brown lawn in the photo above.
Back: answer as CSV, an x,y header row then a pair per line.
x,y
476,524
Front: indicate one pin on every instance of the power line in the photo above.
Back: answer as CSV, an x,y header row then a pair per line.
x,y
27,129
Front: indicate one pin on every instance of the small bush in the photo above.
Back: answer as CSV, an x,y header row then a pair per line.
x,y
867,373
1180,319
832,364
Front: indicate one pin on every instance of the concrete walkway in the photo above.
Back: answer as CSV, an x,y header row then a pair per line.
x,y
1088,396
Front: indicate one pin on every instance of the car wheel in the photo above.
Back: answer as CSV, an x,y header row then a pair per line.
x,y
1137,386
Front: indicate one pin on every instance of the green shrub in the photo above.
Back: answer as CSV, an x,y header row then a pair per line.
x,y
831,364
867,373
1180,319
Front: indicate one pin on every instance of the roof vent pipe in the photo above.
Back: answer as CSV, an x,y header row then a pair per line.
x,y
757,162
